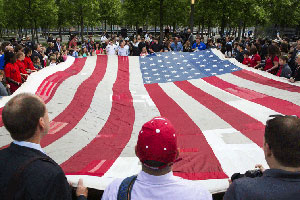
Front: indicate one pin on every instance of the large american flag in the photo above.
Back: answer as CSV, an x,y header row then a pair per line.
x,y
97,106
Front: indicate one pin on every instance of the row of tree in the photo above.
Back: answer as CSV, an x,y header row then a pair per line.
x,y
237,14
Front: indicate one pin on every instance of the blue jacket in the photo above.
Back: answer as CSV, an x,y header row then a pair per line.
x,y
2,61
200,46
177,47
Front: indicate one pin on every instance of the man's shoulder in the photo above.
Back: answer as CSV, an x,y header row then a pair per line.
x,y
111,191
193,188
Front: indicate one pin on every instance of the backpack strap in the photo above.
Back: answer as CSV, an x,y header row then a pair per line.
x,y
125,188
15,180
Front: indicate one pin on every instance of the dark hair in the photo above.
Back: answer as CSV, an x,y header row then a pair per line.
x,y
253,50
21,116
18,48
247,53
282,134
284,47
19,54
35,46
27,50
155,164
10,57
284,58
35,59
273,51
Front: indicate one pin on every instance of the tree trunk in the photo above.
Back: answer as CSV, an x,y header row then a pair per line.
x,y
256,29
36,31
240,30
136,28
32,34
111,29
244,28
81,27
161,19
105,23
208,29
60,35
202,28
155,29
223,23
174,27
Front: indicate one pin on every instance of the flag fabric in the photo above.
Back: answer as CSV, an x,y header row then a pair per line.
x,y
97,106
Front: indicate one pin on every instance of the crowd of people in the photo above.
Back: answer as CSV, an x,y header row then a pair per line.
x,y
18,60
138,45
279,57
28,173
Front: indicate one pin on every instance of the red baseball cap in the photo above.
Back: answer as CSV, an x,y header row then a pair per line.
x,y
157,142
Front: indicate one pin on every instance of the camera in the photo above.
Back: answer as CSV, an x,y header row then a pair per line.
x,y
250,173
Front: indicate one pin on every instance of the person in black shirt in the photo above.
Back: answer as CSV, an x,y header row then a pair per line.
x,y
281,149
26,171
240,53
142,44
155,46
296,74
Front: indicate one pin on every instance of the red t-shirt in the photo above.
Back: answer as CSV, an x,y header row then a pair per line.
x,y
269,63
100,51
246,61
21,66
254,60
280,70
12,71
28,63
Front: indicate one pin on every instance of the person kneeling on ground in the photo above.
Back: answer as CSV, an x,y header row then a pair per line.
x,y
157,150
26,171
282,153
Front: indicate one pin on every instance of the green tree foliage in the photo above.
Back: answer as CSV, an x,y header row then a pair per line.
x,y
109,11
237,14
83,12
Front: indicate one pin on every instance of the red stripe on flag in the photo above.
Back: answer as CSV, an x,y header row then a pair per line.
x,y
119,125
61,76
196,165
278,105
79,104
58,78
242,122
251,76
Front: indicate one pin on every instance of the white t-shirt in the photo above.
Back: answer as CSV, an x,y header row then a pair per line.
x,y
122,51
103,39
52,64
127,49
111,49
166,187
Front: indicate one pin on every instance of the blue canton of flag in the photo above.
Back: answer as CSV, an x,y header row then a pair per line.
x,y
180,66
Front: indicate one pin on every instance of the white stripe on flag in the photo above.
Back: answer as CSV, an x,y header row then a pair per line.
x,y
268,90
262,73
203,118
92,122
254,110
145,110
66,91
31,86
